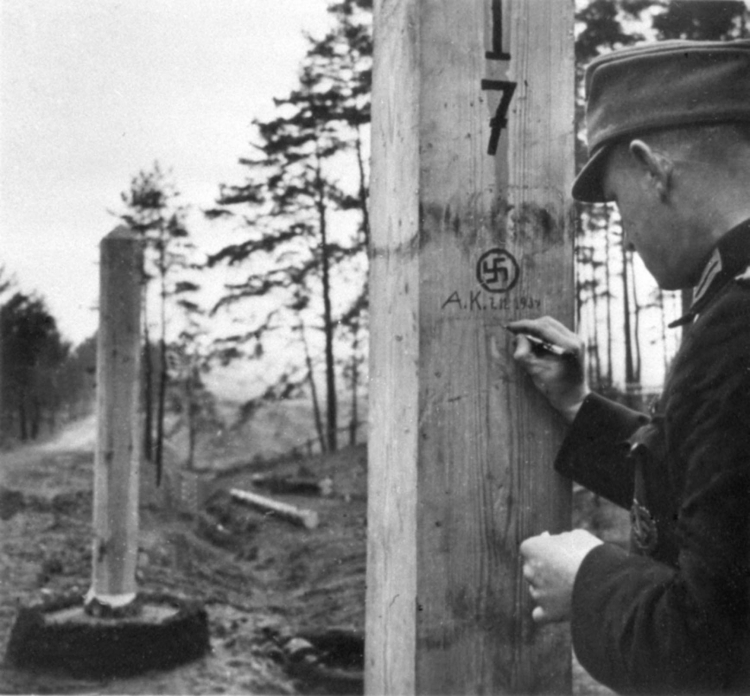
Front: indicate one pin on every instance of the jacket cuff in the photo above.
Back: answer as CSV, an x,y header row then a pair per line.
x,y
594,453
594,624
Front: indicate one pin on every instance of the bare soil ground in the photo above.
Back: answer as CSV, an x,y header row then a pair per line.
x,y
271,589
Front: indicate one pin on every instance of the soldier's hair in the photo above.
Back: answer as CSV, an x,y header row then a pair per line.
x,y
712,142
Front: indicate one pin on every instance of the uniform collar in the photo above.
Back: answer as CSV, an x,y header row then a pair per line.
x,y
730,257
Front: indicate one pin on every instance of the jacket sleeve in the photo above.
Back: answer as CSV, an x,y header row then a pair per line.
x,y
643,627
594,452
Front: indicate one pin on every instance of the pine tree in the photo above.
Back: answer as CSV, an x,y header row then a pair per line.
x,y
32,356
291,200
702,20
151,209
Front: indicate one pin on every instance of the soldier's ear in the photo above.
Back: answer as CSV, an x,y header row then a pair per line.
x,y
656,165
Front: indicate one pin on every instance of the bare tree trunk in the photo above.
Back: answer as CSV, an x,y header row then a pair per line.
x,y
596,357
354,420
190,413
36,417
164,369
579,283
148,396
328,328
313,390
23,421
3,420
665,351
161,409
629,368
636,322
363,190
52,419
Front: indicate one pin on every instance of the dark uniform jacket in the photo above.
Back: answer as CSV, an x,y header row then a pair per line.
x,y
673,614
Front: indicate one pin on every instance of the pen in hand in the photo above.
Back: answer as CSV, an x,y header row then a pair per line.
x,y
541,344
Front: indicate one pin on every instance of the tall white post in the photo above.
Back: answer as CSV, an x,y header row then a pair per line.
x,y
118,447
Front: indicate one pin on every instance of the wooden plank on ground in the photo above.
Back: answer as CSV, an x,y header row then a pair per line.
x,y
305,518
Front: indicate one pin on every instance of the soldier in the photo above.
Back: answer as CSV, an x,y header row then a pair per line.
x,y
669,142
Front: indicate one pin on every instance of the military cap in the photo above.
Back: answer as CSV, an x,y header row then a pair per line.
x,y
655,86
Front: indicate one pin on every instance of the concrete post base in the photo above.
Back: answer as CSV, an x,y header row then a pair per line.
x,y
60,634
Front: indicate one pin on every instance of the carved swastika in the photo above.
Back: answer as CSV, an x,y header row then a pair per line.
x,y
497,270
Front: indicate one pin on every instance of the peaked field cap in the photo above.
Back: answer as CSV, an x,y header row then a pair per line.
x,y
662,85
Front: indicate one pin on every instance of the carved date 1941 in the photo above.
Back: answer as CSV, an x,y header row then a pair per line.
x,y
478,301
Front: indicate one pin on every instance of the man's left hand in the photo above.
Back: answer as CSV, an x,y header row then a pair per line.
x,y
550,566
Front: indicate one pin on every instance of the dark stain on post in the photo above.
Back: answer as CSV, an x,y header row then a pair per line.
x,y
101,550
405,250
438,221
498,221
531,221
422,226
546,223
450,221
426,226
461,604
446,217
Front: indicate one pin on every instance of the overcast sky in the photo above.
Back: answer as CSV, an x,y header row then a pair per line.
x,y
92,92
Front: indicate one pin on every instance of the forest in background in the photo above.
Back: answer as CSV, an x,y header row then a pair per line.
x,y
298,267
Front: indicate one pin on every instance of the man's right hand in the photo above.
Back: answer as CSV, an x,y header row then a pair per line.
x,y
562,379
